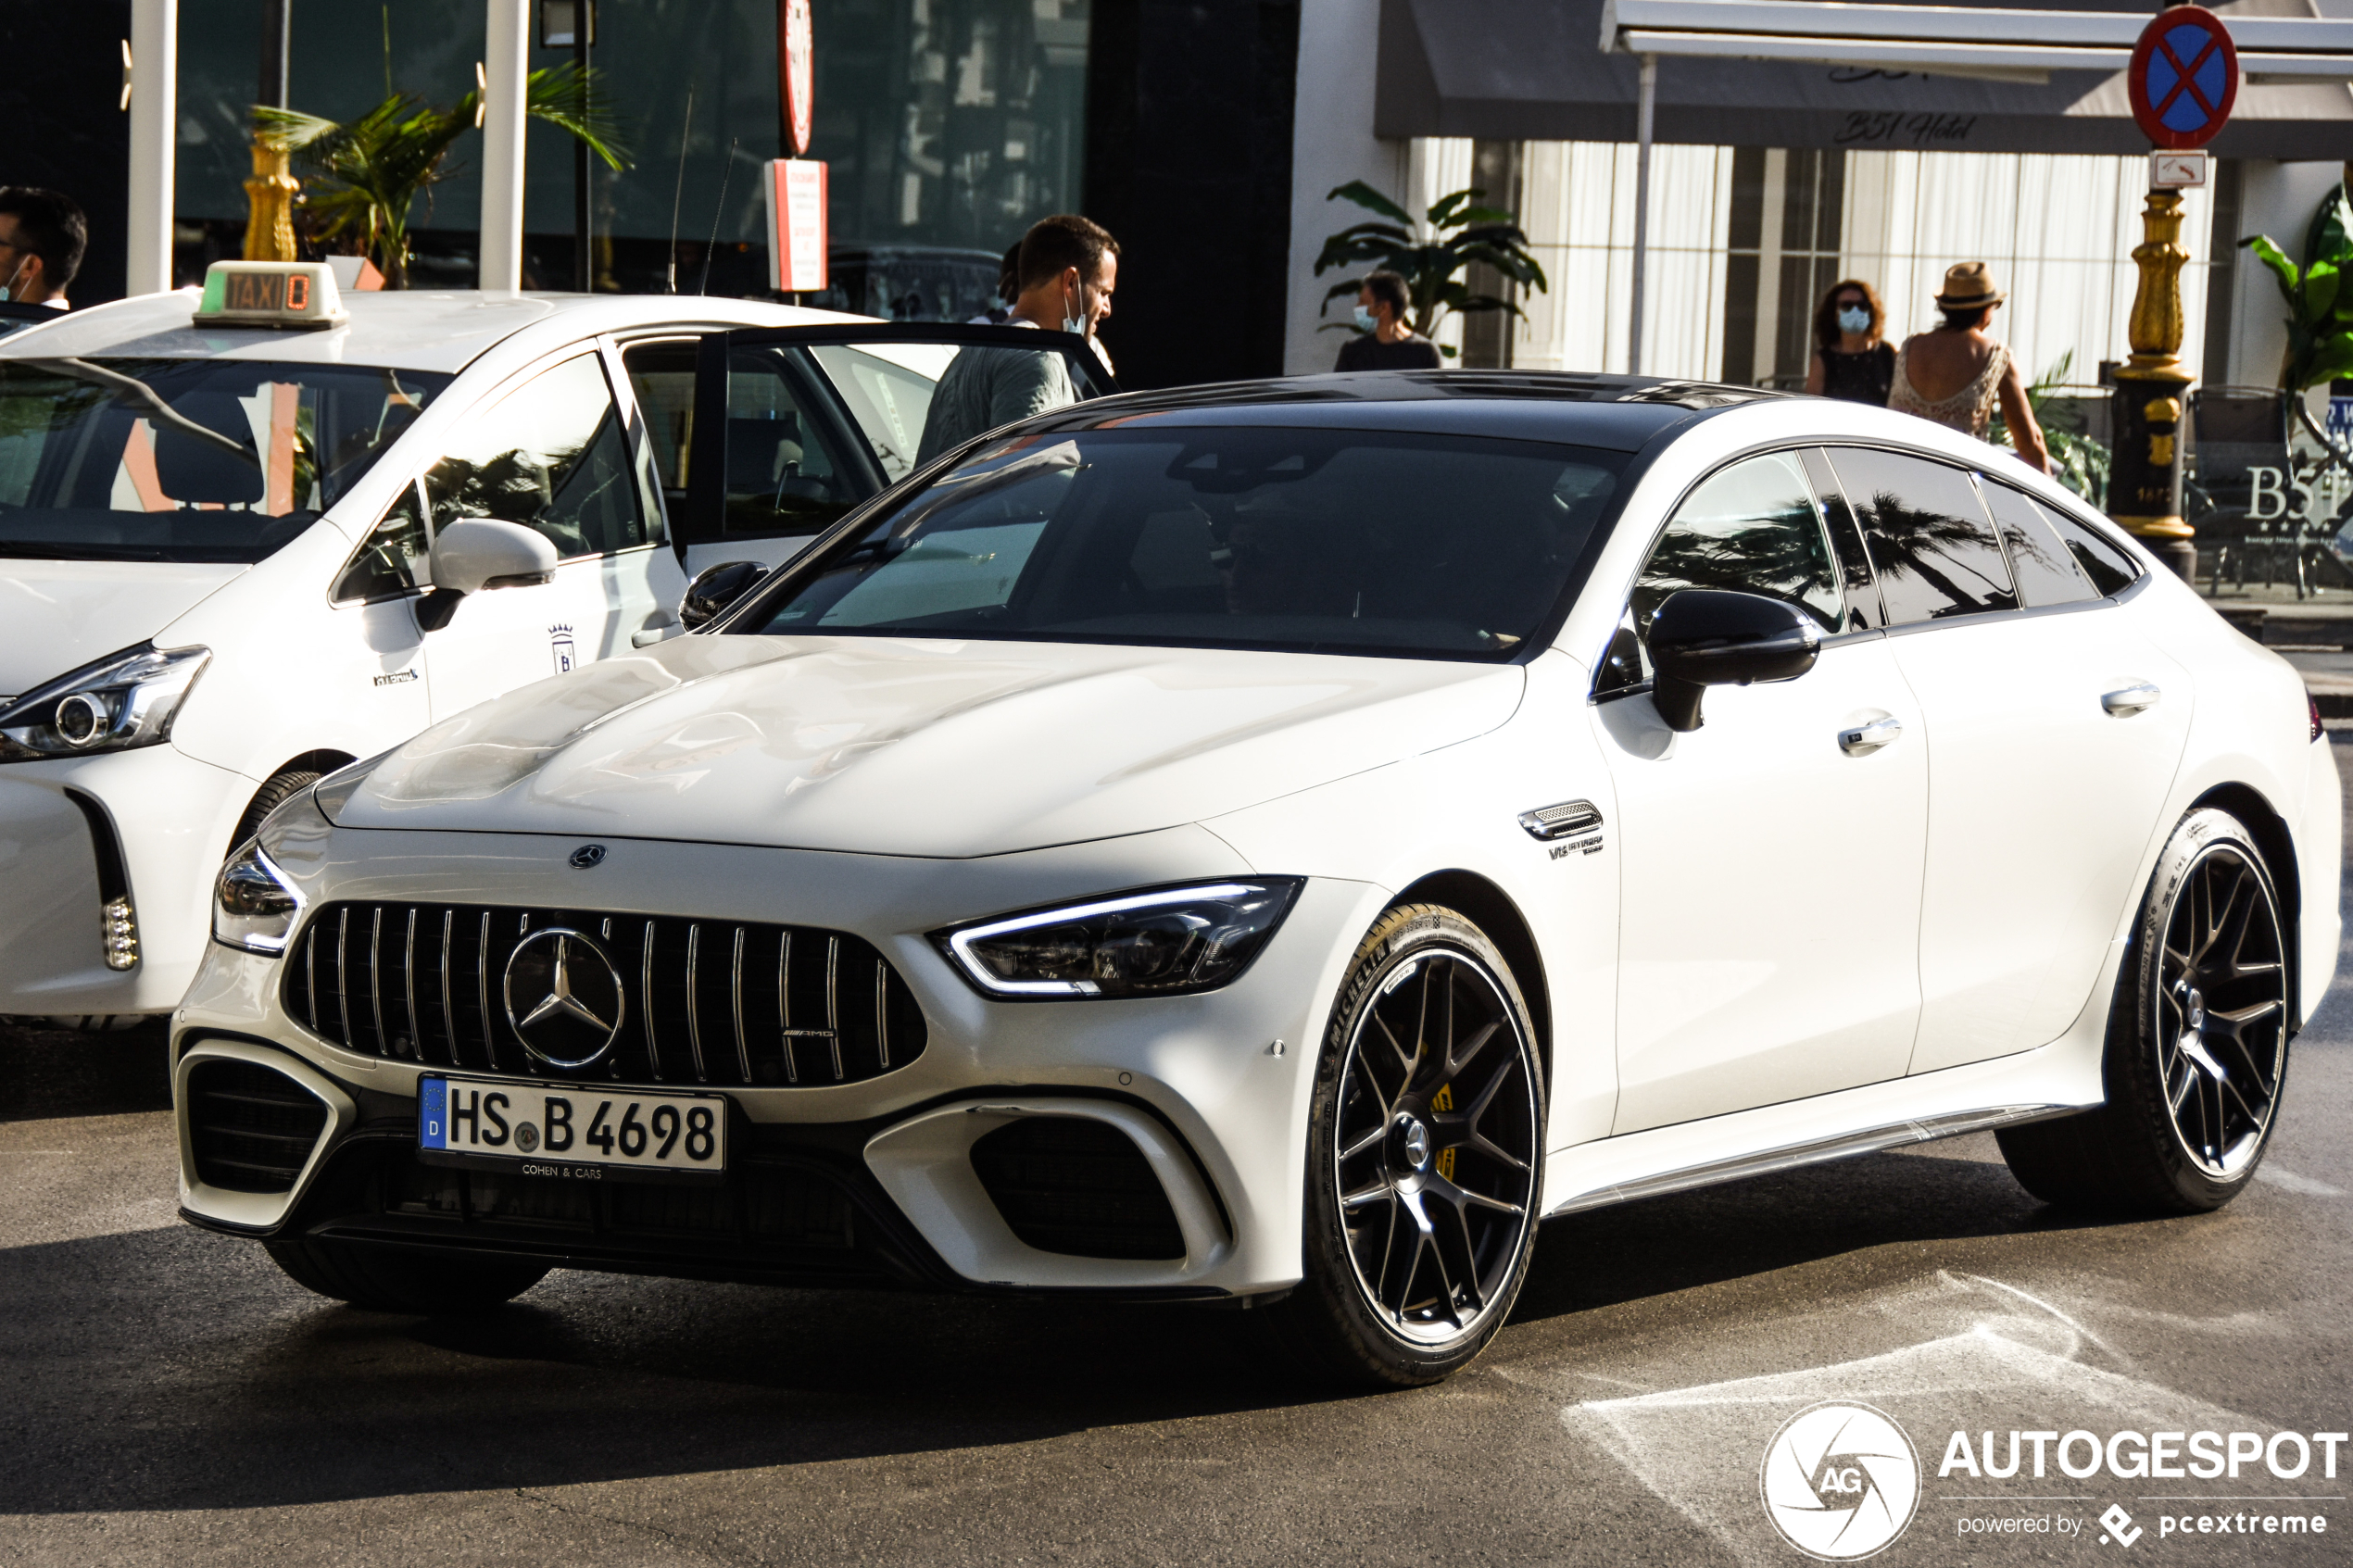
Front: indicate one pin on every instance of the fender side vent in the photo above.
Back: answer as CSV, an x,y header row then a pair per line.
x,y
1070,1184
1548,822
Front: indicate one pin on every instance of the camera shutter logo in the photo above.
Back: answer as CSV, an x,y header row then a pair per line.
x,y
1839,1481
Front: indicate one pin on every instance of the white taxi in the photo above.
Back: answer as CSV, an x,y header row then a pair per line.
x,y
250,535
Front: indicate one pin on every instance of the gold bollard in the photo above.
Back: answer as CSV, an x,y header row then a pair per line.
x,y
2145,475
269,197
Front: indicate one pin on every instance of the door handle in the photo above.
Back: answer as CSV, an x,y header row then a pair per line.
x,y
1864,739
655,627
2131,700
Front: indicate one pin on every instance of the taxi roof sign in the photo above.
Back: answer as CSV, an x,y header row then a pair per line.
x,y
270,293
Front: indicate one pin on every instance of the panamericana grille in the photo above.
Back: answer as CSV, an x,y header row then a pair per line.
x,y
707,1001
250,1129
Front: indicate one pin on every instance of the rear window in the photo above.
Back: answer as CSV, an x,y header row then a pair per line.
x,y
186,459
1928,533
1323,540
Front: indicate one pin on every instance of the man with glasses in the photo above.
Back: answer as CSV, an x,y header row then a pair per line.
x,y
42,235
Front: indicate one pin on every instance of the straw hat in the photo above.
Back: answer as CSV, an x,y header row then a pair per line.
x,y
1967,285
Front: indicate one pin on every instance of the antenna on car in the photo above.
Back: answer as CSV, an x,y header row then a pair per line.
x,y
678,192
725,169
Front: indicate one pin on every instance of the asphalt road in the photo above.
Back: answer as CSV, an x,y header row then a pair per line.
x,y
166,1396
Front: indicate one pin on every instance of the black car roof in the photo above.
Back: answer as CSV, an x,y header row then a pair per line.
x,y
1618,412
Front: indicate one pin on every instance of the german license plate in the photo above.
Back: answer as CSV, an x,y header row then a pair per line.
x,y
565,1131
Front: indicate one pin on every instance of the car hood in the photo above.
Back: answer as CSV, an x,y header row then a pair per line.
x,y
60,615
917,746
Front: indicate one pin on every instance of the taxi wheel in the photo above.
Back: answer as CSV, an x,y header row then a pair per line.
x,y
275,792
1425,1158
398,1279
2197,1042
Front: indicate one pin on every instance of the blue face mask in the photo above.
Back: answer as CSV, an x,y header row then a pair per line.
x,y
1855,320
1365,321
9,290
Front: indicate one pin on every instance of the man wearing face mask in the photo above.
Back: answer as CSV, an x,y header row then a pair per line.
x,y
1069,267
1385,341
42,235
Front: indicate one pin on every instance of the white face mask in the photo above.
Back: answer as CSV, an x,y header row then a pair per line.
x,y
1365,321
1855,320
1083,323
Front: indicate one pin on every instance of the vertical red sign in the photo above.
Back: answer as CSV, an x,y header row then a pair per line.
x,y
796,75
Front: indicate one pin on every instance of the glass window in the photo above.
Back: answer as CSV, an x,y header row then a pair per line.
x,y
186,459
393,560
1340,541
2046,573
661,378
788,467
888,388
2103,560
550,455
1753,527
1935,551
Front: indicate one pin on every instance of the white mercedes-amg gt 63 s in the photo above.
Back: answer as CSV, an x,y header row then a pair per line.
x,y
1279,842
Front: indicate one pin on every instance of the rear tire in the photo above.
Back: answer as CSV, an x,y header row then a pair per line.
x,y
1425,1158
2197,1042
398,1279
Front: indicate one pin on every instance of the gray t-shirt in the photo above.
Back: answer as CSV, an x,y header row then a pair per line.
x,y
988,387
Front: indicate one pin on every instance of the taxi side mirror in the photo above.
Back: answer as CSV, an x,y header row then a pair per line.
x,y
715,588
1702,637
475,553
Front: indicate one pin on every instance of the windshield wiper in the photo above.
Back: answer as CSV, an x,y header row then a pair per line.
x,y
136,391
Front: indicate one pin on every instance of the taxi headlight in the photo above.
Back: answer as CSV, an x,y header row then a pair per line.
x,y
1161,942
127,700
254,903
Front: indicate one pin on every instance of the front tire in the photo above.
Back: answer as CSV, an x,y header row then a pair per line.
x,y
275,791
398,1279
1425,1158
2197,1042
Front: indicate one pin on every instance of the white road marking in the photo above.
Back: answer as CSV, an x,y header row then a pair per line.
x,y
2290,1181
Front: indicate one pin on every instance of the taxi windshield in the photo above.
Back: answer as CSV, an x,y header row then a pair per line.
x,y
186,459
1333,541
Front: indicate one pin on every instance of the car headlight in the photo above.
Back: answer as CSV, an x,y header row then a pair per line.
x,y
255,903
125,701
1160,942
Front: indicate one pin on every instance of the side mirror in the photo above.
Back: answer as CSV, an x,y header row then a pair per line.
x,y
1704,637
474,553
716,587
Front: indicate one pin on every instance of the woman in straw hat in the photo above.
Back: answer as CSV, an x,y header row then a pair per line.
x,y
1953,374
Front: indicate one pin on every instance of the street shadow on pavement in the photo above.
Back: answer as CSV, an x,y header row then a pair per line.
x,y
46,1072
169,1368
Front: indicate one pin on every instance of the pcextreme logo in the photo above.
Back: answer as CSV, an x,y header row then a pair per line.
x,y
1839,1481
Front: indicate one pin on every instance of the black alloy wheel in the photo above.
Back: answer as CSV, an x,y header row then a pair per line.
x,y
1425,1156
2221,1008
2197,1041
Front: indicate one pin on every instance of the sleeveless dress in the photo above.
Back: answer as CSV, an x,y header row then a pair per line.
x,y
1967,411
1859,378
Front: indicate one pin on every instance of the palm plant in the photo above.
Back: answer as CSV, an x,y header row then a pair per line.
x,y
375,168
2319,308
1456,233
2077,461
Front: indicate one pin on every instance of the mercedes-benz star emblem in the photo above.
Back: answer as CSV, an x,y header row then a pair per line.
x,y
564,996
587,855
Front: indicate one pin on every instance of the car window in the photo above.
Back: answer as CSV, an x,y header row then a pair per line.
x,y
888,388
2103,560
550,455
1935,551
661,378
1752,528
1335,540
788,471
1863,607
2046,573
186,459
392,559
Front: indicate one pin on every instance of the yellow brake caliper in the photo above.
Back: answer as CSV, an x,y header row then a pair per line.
x,y
1444,1100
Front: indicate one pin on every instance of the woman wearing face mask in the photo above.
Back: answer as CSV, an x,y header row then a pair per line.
x,y
1385,340
1851,361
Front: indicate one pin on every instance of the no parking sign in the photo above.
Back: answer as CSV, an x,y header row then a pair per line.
x,y
2184,78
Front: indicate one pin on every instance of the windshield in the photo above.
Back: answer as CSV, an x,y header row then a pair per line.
x,y
1323,540
186,459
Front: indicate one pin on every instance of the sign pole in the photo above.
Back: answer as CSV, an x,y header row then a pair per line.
x,y
2182,81
1646,103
